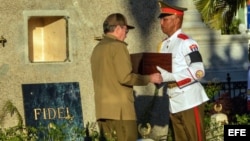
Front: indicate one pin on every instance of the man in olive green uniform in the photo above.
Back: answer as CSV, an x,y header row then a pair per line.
x,y
113,81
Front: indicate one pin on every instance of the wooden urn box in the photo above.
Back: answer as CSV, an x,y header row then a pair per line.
x,y
145,63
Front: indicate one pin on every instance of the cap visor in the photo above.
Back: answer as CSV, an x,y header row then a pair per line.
x,y
130,27
164,15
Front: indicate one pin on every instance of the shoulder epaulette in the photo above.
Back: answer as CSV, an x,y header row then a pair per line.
x,y
183,36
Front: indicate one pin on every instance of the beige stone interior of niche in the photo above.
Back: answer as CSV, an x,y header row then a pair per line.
x,y
47,39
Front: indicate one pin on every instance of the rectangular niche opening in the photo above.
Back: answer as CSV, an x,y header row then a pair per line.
x,y
47,39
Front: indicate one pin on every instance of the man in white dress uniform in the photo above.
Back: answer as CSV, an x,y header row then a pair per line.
x,y
186,94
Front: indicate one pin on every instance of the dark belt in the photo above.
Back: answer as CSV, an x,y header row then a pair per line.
x,y
172,85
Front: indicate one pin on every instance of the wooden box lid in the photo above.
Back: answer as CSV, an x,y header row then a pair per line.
x,y
145,63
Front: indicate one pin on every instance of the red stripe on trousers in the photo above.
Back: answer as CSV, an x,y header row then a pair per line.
x,y
198,123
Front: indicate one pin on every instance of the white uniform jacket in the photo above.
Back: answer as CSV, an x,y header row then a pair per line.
x,y
187,69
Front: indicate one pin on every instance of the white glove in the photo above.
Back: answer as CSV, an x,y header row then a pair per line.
x,y
167,76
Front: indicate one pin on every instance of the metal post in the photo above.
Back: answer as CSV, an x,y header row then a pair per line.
x,y
229,83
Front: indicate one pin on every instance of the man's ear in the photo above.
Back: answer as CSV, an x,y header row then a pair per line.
x,y
178,19
117,28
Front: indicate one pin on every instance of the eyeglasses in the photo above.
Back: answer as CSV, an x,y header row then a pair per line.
x,y
126,28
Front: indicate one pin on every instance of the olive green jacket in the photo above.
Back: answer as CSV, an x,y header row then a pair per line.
x,y
113,80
